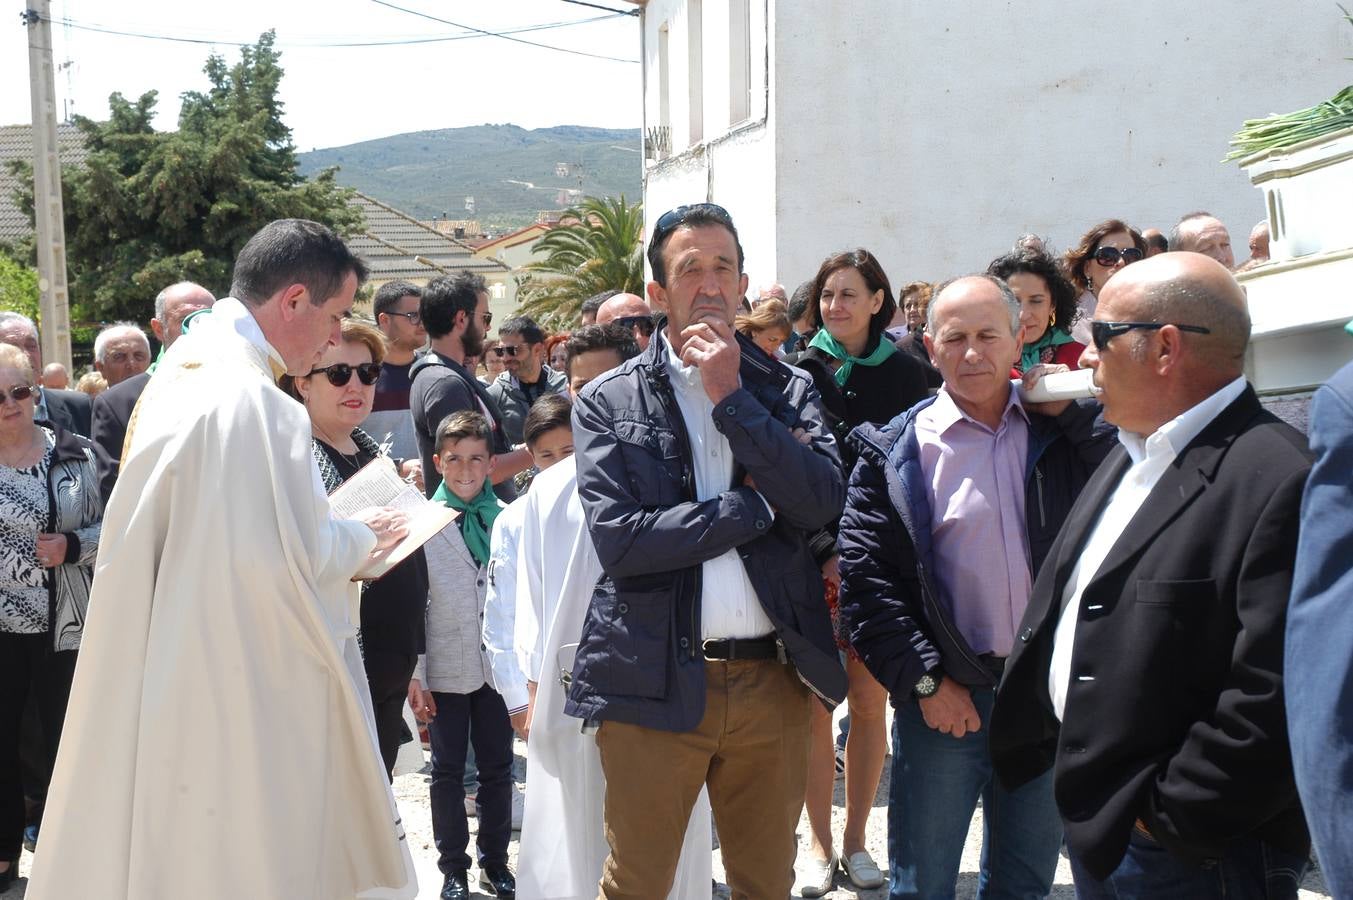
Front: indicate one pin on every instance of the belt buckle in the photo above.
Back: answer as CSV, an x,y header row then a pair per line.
x,y
704,650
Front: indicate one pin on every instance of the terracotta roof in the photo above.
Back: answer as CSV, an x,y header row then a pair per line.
x,y
512,238
16,142
392,241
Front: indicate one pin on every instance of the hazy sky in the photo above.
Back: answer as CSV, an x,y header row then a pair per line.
x,y
340,95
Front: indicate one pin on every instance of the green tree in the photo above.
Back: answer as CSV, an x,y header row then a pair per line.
x,y
149,208
597,247
18,288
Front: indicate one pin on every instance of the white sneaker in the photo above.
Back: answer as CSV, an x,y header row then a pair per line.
x,y
816,877
518,807
862,871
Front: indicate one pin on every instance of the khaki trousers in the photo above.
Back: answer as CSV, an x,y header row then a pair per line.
x,y
750,749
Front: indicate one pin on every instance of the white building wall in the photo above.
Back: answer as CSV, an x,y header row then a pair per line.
x,y
935,134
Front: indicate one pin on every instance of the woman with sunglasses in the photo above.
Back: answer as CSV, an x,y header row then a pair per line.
x,y
861,377
338,394
1047,307
1102,251
51,513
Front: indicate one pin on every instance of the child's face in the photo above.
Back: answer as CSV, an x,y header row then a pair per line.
x,y
551,447
463,465
770,339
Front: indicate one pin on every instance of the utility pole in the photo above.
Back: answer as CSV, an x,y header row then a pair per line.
x,y
54,299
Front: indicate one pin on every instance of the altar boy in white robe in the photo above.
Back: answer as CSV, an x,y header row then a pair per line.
x,y
563,840
217,744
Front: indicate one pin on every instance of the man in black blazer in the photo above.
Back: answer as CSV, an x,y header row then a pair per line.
x,y
67,409
112,409
1148,668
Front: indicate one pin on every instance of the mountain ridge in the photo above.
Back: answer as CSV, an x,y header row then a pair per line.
x,y
511,172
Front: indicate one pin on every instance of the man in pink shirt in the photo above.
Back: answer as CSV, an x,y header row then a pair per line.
x,y
949,513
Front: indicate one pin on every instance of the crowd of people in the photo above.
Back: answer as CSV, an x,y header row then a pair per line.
x,y
685,532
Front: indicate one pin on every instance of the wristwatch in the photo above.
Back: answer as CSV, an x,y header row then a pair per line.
x,y
929,684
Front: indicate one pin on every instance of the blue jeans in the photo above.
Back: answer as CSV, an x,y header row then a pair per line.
x,y
1251,870
936,781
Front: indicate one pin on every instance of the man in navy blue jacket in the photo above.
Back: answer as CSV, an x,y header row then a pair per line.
x,y
1319,665
702,468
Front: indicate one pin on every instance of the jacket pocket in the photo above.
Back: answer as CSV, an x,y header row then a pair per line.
x,y
1172,593
626,644
652,462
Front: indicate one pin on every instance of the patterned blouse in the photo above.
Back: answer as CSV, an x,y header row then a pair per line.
x,y
24,513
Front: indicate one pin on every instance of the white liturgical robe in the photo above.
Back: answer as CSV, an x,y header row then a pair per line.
x,y
219,742
563,841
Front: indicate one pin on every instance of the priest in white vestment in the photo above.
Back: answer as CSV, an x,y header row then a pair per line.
x,y
563,839
219,742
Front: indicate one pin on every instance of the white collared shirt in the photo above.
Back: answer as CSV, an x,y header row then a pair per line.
x,y
1151,456
729,607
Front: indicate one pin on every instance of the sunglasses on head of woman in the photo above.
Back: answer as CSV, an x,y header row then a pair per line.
x,y
339,374
1109,256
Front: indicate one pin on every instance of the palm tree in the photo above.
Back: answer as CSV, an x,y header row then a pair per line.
x,y
596,247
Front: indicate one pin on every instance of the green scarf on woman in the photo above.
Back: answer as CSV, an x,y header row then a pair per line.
x,y
1032,355
833,348
476,517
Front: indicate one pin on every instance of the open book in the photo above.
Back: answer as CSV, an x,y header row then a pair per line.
x,y
378,484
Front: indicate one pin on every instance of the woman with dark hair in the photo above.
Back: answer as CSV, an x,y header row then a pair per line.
x,y
338,394
1103,250
1047,307
862,377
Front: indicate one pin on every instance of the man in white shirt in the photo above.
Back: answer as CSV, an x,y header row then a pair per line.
x,y
1148,668
702,650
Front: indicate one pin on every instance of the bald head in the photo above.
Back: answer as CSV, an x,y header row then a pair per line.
x,y
1259,242
623,306
174,304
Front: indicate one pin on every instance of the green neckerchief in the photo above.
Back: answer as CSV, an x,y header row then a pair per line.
x,y
832,347
1033,353
158,359
476,520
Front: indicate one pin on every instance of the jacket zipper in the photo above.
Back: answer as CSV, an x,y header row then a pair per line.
x,y
664,393
1038,484
52,524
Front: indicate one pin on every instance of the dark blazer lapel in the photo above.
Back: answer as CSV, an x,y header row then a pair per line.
x,y
1183,481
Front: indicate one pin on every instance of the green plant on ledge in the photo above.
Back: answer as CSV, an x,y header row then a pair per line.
x,y
1286,129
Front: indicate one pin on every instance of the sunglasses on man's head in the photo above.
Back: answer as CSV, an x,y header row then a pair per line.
x,y
19,393
1103,332
339,374
1109,256
505,350
643,323
673,218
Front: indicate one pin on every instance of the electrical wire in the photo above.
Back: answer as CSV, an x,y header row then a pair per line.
x,y
467,33
504,35
623,12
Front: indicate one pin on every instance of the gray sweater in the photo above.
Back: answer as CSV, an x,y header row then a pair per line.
x,y
455,661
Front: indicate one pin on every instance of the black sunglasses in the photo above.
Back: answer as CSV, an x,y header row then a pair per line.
x,y
414,317
673,218
505,350
19,393
339,374
1103,332
1109,256
643,323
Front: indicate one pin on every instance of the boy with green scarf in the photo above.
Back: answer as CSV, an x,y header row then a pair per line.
x,y
452,688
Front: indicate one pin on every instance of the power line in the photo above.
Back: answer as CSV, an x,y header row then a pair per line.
x,y
504,35
466,34
622,12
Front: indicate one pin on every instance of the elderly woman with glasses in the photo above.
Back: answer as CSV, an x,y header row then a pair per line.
x,y
1102,251
338,394
51,513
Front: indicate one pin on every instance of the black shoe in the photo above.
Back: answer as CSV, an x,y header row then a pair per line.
x,y
498,881
456,887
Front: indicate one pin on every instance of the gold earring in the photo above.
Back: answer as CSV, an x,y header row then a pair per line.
x,y
1052,319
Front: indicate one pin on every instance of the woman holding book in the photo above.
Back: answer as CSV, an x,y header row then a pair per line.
x,y
338,394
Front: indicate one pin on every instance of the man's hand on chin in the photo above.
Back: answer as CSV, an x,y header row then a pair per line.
x,y
710,346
